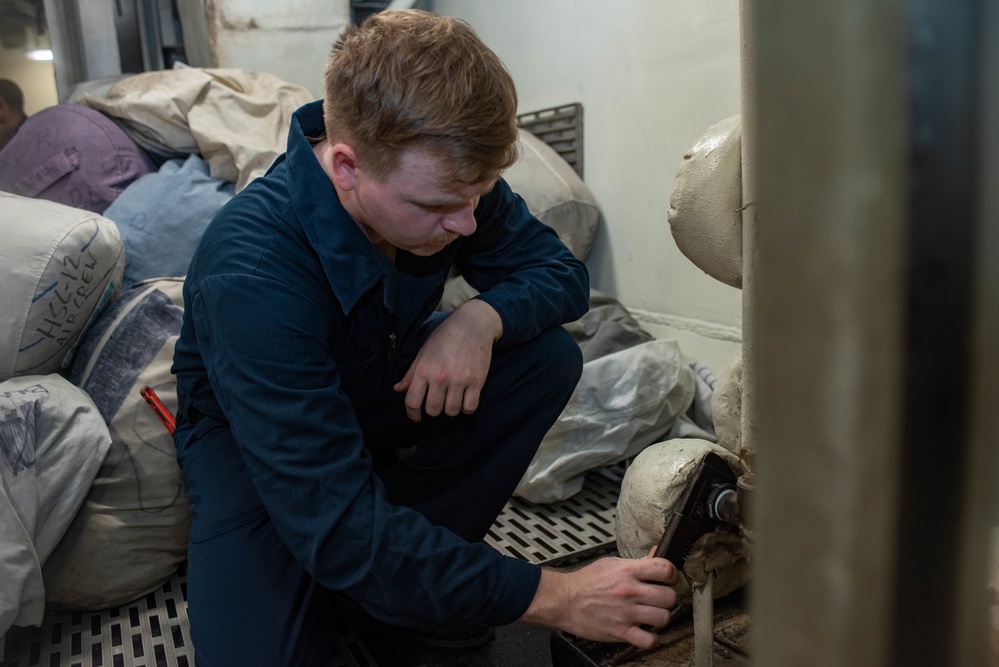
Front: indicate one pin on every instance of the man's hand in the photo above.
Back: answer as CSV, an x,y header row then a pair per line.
x,y
608,600
451,367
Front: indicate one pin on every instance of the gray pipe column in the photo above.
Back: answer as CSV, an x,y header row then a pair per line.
x,y
828,119
875,330
977,540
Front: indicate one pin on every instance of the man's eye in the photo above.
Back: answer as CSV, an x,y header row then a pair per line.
x,y
436,208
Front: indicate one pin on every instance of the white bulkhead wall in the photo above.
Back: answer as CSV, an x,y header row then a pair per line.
x,y
288,39
652,77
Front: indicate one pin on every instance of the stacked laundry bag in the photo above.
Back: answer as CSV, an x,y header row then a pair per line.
x,y
102,203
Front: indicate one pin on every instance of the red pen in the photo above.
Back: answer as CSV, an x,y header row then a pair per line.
x,y
157,406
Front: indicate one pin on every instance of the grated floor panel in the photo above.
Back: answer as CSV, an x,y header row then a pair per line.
x,y
559,532
153,631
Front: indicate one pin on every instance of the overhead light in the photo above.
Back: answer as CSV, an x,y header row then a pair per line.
x,y
38,54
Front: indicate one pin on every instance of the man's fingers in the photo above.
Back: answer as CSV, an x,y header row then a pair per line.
x,y
403,384
654,616
657,569
641,638
663,597
423,397
471,401
414,400
436,400
675,576
454,401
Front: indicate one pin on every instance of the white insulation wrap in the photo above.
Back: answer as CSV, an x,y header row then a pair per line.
x,y
705,207
59,267
726,408
651,491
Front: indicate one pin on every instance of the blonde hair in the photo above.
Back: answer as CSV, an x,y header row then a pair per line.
x,y
414,79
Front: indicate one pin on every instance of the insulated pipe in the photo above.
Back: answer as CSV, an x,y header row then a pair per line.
x,y
750,210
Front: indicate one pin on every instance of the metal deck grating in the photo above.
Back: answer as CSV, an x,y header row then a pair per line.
x,y
153,631
569,530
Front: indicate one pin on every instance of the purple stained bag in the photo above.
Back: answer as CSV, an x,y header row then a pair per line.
x,y
73,155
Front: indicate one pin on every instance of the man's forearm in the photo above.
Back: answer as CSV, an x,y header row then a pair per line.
x,y
484,317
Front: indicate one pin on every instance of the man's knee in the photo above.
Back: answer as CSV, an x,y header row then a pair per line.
x,y
556,357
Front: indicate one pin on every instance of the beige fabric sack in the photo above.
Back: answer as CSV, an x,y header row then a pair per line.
x,y
236,119
555,194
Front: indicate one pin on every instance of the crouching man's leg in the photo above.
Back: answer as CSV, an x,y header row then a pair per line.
x,y
465,468
249,601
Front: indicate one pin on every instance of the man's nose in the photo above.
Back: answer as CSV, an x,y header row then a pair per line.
x,y
461,222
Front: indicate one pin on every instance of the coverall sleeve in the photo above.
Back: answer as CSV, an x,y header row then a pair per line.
x,y
521,268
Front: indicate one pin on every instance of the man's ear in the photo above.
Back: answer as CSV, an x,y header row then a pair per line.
x,y
343,166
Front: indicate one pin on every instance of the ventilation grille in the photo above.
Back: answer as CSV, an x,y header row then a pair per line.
x,y
561,128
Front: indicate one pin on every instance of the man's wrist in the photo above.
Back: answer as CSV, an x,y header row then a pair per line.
x,y
547,606
485,316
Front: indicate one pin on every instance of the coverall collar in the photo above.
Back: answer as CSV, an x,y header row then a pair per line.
x,y
350,261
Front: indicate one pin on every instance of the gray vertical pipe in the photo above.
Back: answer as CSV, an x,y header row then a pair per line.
x,y
953,329
981,502
875,324
829,124
937,511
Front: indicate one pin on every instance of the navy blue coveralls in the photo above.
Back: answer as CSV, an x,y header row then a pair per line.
x,y
295,329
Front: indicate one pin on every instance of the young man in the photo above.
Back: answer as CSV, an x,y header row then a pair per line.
x,y
338,435
12,114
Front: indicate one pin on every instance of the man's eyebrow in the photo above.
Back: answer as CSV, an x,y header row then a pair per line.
x,y
458,200
440,203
